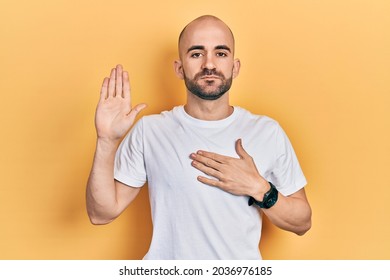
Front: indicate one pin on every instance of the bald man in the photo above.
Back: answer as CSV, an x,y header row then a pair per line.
x,y
212,168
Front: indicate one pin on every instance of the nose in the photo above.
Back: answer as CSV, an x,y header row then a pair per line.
x,y
209,62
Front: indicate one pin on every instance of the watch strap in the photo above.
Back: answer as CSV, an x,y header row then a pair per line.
x,y
269,199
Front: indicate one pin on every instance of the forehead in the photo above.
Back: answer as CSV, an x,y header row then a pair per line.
x,y
208,33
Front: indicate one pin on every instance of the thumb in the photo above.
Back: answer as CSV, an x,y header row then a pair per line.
x,y
240,150
136,109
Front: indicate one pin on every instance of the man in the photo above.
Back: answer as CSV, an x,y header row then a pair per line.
x,y
211,168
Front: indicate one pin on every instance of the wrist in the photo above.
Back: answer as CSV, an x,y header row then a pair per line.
x,y
107,145
269,198
261,188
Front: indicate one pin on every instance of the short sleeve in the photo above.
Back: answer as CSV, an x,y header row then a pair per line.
x,y
287,175
129,167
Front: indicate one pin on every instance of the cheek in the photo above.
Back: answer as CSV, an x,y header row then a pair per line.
x,y
227,68
189,73
192,67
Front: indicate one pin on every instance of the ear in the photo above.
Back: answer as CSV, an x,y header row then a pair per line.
x,y
236,67
178,66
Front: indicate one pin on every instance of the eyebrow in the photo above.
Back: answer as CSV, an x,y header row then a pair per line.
x,y
195,47
223,47
200,47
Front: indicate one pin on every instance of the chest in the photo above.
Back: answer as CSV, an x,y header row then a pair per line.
x,y
167,151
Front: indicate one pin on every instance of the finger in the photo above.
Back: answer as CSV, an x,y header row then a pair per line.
x,y
207,170
207,161
240,150
111,83
208,181
136,110
118,85
126,85
216,157
103,90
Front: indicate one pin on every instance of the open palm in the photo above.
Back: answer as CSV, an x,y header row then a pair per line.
x,y
114,113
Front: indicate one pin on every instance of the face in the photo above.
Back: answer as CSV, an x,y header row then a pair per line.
x,y
207,63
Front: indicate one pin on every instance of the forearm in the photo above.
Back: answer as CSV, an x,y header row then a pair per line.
x,y
107,198
291,213
101,192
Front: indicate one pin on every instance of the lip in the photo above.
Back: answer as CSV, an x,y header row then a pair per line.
x,y
209,77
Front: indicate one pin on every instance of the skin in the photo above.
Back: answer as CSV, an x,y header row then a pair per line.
x,y
209,34
206,59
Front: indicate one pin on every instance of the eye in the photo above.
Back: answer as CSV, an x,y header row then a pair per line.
x,y
221,54
196,55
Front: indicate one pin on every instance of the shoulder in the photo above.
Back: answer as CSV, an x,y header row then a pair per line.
x,y
260,121
155,123
163,116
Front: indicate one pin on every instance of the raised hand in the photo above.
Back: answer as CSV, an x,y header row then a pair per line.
x,y
238,176
114,113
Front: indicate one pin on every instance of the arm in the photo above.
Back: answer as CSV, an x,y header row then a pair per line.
x,y
106,198
292,213
241,177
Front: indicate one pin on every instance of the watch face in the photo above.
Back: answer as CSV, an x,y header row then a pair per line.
x,y
271,197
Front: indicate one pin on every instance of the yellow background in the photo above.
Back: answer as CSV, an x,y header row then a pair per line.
x,y
321,68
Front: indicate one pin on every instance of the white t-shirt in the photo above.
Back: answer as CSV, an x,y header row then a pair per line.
x,y
192,220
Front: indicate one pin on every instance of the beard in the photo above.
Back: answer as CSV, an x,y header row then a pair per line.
x,y
208,91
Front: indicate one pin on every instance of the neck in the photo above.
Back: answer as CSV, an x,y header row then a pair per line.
x,y
208,110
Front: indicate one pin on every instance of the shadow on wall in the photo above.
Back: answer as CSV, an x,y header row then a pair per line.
x,y
270,234
170,89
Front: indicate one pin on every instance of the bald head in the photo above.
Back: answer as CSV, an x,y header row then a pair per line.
x,y
202,24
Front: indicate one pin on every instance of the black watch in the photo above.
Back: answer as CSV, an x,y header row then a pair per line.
x,y
269,198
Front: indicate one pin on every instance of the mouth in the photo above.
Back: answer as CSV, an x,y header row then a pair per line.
x,y
210,77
